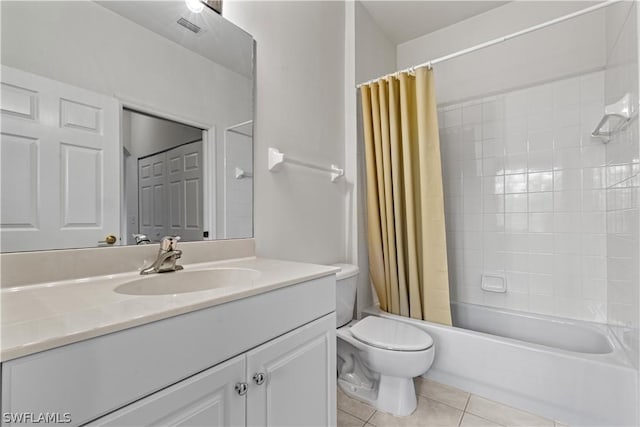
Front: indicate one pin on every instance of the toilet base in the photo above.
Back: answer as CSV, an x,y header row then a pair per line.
x,y
396,396
393,395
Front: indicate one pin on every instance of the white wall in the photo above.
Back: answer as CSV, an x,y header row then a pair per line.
x,y
375,55
143,135
375,52
567,49
299,213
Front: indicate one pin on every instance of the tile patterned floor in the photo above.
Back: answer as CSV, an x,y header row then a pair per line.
x,y
440,405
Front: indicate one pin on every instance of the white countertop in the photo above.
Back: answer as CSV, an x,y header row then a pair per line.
x,y
47,315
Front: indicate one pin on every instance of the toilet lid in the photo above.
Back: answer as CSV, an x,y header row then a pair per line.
x,y
390,334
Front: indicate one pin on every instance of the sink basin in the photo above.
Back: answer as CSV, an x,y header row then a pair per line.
x,y
181,282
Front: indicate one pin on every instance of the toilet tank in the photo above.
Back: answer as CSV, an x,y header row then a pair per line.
x,y
346,282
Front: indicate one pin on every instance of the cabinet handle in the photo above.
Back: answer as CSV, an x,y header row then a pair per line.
x,y
258,378
241,388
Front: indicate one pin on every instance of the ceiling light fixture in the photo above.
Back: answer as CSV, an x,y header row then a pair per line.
x,y
194,6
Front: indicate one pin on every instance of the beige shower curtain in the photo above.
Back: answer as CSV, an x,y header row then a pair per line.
x,y
405,203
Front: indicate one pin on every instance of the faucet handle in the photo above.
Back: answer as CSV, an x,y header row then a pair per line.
x,y
141,239
169,243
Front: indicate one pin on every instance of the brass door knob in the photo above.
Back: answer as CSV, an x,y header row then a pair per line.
x,y
109,239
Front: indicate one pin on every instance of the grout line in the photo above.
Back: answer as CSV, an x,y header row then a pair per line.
x,y
467,404
486,419
371,416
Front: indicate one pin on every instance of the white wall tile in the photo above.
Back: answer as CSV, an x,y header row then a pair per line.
x,y
541,202
593,178
541,222
516,163
517,281
541,284
540,263
566,243
516,222
567,201
566,137
452,117
542,304
593,156
568,158
472,113
568,179
566,116
541,140
541,243
527,194
540,161
540,120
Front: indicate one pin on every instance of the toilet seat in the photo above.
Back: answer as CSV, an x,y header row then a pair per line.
x,y
390,334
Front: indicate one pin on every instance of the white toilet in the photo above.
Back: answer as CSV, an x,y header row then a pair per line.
x,y
378,357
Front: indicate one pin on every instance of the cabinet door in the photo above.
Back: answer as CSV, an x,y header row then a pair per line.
x,y
206,399
299,378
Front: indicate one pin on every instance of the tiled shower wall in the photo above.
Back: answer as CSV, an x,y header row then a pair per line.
x,y
525,197
623,165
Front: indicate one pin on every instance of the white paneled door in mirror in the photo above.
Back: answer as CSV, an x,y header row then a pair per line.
x,y
185,179
170,193
59,163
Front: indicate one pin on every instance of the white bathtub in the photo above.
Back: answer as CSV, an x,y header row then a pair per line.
x,y
570,371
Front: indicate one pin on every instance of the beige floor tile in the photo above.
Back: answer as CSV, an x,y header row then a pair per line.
x,y
442,393
354,407
470,420
504,415
428,413
347,420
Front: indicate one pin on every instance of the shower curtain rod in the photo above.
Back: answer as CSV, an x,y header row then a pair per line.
x,y
498,40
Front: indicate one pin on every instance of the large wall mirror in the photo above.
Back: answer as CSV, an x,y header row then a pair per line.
x,y
123,122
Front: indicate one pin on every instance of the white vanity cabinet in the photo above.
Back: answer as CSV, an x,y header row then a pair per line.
x,y
281,383
184,370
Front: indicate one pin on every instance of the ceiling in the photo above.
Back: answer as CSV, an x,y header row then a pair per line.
x,y
405,20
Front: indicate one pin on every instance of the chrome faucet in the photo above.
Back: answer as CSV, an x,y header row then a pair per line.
x,y
167,257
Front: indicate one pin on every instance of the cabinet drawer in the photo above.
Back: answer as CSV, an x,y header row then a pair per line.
x,y
91,378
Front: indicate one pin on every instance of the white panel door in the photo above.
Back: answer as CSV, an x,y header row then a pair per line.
x,y
185,191
299,371
60,164
152,195
206,399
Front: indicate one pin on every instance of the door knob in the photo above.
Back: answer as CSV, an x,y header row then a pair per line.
x,y
109,239
259,378
241,388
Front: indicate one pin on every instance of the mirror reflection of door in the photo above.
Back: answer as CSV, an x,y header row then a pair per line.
x,y
163,178
57,157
